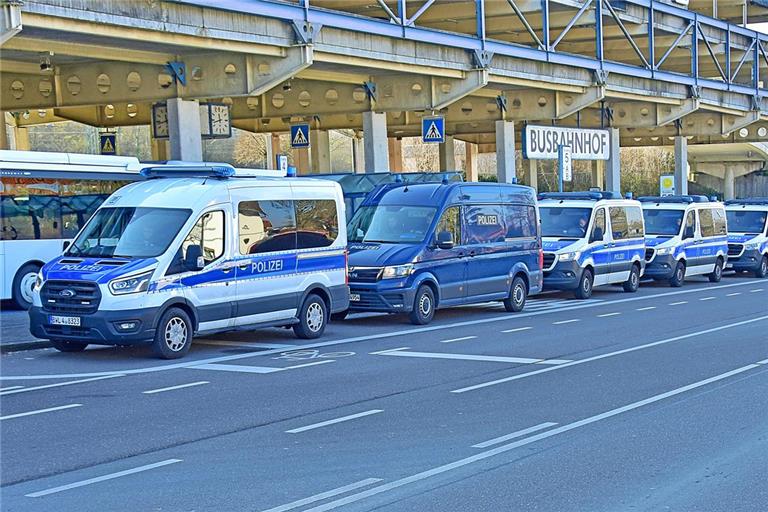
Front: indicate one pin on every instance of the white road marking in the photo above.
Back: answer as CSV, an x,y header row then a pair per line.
x,y
236,368
324,495
380,352
39,411
459,339
10,388
243,344
605,315
172,388
517,329
764,361
513,435
523,442
611,354
333,422
733,294
708,298
678,303
315,363
8,391
561,322
391,334
646,309
756,290
471,357
98,479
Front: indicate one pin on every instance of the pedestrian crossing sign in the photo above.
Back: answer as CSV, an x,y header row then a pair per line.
x,y
107,143
433,129
300,135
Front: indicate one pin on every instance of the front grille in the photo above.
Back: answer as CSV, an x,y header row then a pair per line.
x,y
83,300
368,300
66,330
649,254
549,260
735,249
364,275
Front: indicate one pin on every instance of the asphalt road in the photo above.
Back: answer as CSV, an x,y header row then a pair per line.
x,y
650,401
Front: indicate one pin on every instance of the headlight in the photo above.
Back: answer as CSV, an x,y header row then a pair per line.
x,y
569,256
752,247
133,284
38,281
397,271
661,251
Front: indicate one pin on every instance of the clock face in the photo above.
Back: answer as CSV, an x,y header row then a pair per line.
x,y
160,120
220,124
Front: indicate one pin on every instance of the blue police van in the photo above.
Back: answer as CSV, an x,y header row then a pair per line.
x,y
416,248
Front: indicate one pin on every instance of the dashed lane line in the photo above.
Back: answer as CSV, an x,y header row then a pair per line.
x,y
471,357
517,329
646,308
606,315
562,322
10,391
465,338
324,495
333,421
173,388
40,411
514,435
679,303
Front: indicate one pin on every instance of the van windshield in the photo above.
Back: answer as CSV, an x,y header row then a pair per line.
x,y
662,222
129,232
561,222
391,224
746,221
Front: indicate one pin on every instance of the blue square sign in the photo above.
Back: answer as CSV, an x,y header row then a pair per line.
x,y
108,143
433,129
300,135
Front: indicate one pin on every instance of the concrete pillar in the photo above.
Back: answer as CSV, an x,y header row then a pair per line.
x,y
274,144
395,148
613,165
320,151
375,142
21,138
271,162
532,174
447,152
729,184
159,150
301,161
598,174
470,165
358,154
681,165
4,142
505,151
184,130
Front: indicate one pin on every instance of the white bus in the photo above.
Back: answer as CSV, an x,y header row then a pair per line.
x,y
45,198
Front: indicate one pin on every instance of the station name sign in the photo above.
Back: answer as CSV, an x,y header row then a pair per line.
x,y
542,142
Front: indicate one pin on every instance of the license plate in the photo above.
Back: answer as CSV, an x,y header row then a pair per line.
x,y
729,265
354,297
73,321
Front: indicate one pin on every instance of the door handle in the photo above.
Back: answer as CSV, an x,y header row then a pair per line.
x,y
244,266
472,254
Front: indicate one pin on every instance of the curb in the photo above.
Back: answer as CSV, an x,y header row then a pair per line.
x,y
24,345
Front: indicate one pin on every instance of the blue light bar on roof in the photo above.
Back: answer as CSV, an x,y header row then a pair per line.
x,y
748,200
674,199
175,169
592,195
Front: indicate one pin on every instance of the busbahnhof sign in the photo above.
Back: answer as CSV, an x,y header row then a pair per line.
x,y
542,142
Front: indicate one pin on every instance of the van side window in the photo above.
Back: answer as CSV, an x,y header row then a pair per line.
x,y
450,221
520,220
619,225
208,233
707,222
317,223
635,222
599,236
720,225
690,223
266,226
485,224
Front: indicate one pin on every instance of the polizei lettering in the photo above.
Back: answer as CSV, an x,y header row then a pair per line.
x,y
542,142
81,268
265,266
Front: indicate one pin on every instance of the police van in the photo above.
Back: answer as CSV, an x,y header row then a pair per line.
x,y
748,235
685,236
591,239
415,248
197,249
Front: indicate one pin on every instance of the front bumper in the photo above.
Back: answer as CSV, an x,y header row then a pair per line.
x,y
661,267
565,275
100,327
386,296
749,260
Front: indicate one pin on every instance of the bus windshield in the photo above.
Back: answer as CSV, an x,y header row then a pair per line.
x,y
391,224
129,232
561,222
746,221
662,222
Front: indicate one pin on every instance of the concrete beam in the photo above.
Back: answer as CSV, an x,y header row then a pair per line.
x,y
732,124
88,51
10,20
264,73
567,104
446,91
666,114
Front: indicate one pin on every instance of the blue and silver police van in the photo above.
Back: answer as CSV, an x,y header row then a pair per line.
x,y
686,235
196,250
591,239
748,235
416,248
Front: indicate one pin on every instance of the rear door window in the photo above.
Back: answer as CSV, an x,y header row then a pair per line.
x,y
707,222
266,226
317,223
619,224
520,221
634,221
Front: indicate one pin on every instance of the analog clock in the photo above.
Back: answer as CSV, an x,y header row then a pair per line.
x,y
220,122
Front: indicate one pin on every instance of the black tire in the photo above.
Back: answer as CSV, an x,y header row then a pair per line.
x,y
22,285
587,281
678,278
313,317
762,270
717,274
173,336
518,294
68,346
340,316
632,284
423,306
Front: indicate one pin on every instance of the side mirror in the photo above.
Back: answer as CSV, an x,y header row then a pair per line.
x,y
688,233
65,245
597,235
445,240
194,258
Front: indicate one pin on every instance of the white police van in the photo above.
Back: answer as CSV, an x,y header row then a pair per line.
x,y
685,236
591,239
748,235
197,249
